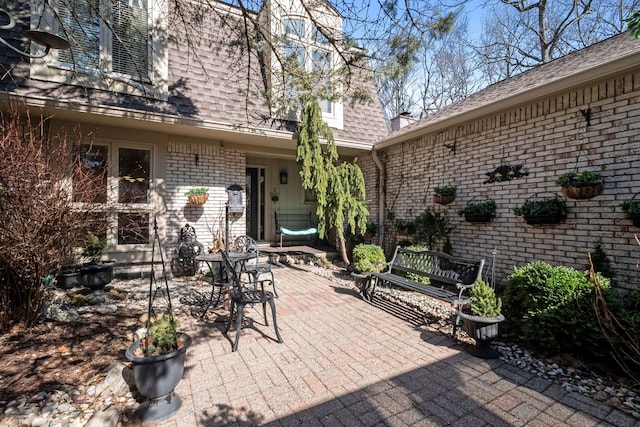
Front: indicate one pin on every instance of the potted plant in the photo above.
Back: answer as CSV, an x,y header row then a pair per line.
x,y
197,195
158,364
482,211
584,185
632,209
543,211
481,319
158,355
95,274
445,195
367,259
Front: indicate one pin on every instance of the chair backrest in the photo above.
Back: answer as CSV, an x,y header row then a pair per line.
x,y
232,274
247,245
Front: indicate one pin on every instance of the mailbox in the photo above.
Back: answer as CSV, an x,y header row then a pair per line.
x,y
234,201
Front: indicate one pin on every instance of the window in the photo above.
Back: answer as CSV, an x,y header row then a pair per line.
x,y
127,203
112,45
306,44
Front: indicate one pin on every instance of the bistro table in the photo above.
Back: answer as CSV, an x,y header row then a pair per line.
x,y
218,278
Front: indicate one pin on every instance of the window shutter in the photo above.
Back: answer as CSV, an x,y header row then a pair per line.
x,y
130,53
80,24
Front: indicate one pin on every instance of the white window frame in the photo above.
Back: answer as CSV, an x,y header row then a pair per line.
x,y
112,206
334,117
51,69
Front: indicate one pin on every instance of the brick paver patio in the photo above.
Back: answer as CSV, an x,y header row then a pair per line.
x,y
345,362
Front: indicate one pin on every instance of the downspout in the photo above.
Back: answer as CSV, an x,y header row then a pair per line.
x,y
381,177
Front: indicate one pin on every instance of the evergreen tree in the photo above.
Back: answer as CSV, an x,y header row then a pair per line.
x,y
339,187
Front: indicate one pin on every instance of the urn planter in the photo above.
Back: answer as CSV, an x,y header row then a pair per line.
x,y
483,330
156,377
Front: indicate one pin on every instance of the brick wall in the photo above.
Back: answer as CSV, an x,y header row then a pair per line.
x,y
217,168
549,137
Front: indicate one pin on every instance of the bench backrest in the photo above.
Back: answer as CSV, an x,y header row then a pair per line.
x,y
438,266
293,221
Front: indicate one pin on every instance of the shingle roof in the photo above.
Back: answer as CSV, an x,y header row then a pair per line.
x,y
557,75
213,83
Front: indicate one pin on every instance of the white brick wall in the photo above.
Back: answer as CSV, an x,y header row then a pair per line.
x,y
548,138
217,169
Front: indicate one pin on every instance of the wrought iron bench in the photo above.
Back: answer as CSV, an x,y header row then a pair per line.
x,y
449,276
294,224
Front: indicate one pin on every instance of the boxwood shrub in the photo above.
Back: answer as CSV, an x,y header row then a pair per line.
x,y
551,309
368,258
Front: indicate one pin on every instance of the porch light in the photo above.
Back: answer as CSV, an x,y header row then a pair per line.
x,y
42,38
284,176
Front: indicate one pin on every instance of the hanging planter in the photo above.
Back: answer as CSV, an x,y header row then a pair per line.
x,y
584,185
632,209
479,211
197,196
445,195
544,211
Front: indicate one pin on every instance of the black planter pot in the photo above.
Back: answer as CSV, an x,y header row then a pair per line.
x,y
68,279
96,276
479,217
544,219
484,330
364,284
156,377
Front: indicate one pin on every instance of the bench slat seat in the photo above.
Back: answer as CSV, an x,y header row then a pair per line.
x,y
294,224
442,270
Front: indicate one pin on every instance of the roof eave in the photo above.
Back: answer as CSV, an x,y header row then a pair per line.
x,y
244,136
618,66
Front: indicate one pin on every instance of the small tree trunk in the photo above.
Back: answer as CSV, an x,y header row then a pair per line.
x,y
342,246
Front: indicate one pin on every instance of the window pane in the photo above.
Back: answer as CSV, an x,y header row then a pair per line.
x,y
80,24
318,37
321,63
294,51
134,167
90,173
294,27
130,38
133,228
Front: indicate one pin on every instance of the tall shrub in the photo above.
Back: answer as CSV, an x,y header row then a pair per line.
x,y
339,187
39,226
551,308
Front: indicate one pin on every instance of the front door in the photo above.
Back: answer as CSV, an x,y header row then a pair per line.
x,y
255,185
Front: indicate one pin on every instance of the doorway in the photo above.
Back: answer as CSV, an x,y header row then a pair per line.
x,y
255,185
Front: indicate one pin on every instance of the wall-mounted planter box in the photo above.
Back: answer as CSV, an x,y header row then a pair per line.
x,y
582,191
580,186
632,209
445,195
479,211
543,211
198,199
544,219
443,200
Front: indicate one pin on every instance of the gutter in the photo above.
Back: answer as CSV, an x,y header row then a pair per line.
x,y
381,178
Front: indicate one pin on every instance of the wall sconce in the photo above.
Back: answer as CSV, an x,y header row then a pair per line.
x,y
284,176
42,38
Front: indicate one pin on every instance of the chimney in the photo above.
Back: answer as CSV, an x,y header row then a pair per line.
x,y
401,120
